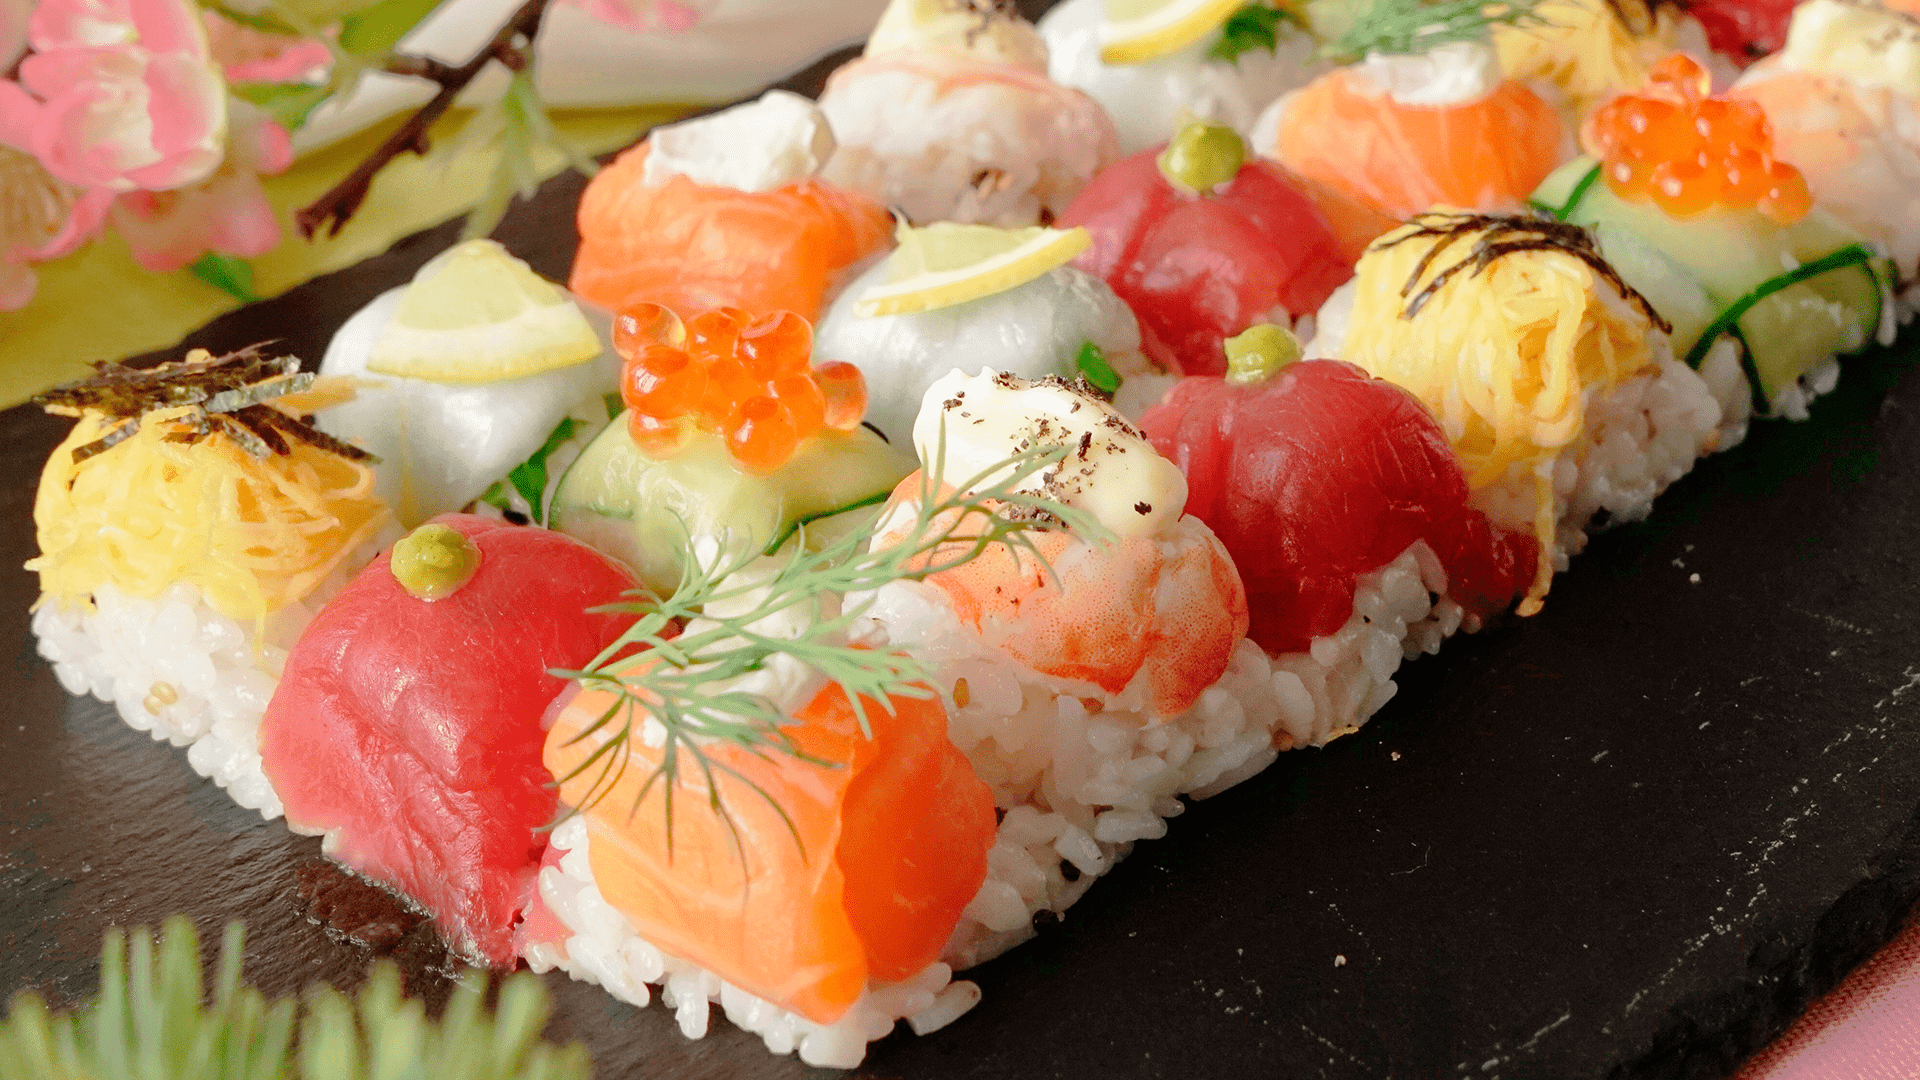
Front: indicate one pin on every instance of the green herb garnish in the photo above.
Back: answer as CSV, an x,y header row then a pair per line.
x,y
151,1021
683,682
1255,26
1415,26
529,478
1092,363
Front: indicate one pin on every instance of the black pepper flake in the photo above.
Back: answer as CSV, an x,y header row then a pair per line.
x,y
1143,508
1069,871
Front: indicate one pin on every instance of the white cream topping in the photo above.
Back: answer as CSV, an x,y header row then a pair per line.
x,y
761,145
783,680
1861,41
972,28
1113,473
1452,74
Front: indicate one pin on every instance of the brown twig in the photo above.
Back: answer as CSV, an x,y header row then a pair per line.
x,y
339,204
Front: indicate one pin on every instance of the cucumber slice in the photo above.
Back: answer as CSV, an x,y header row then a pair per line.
x,y
1788,325
1667,285
1794,294
1561,193
646,512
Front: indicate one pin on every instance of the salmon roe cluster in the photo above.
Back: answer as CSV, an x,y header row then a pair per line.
x,y
750,381
1689,152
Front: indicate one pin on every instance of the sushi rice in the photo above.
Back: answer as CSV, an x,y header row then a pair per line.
x,y
186,674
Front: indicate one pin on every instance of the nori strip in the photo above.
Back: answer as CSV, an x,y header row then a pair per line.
x,y
1505,234
228,393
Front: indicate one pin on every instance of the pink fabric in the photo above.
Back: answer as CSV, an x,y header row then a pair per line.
x,y
1868,1028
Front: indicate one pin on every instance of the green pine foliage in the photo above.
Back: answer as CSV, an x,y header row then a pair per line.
x,y
151,1021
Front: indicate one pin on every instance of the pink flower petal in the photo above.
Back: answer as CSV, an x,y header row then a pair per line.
x,y
85,219
80,24
93,136
18,112
170,26
52,73
188,104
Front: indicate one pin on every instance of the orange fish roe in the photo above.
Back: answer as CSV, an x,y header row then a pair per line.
x,y
1688,152
747,380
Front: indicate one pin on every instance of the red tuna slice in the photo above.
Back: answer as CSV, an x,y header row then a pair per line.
x,y
1197,269
409,732
1319,475
1744,30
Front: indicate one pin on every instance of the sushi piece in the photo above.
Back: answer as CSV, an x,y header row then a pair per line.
x,y
1582,52
1843,99
1241,57
773,817
477,370
949,116
1034,315
1144,598
727,210
190,525
407,727
1551,376
1763,288
813,908
732,440
1422,119
1202,243
1314,474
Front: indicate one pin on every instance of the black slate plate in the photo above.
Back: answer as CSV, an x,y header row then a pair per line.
x,y
1628,837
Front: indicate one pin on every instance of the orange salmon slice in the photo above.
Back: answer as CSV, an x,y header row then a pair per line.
x,y
693,248
821,872
1401,159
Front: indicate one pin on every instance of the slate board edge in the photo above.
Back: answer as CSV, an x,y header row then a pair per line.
x,y
1712,1035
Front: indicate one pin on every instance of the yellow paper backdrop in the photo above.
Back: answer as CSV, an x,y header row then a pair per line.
x,y
96,304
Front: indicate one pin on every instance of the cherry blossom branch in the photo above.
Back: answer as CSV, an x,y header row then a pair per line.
x,y
339,204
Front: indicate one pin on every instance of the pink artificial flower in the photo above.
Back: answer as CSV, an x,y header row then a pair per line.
x,y
249,55
673,16
41,218
117,94
228,212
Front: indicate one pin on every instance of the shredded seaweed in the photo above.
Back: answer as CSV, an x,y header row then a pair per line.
x,y
228,394
1500,235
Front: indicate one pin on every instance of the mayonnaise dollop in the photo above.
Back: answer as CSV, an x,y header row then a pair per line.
x,y
1452,74
1113,473
1865,42
761,145
973,28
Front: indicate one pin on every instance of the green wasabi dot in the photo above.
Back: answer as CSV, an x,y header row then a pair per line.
x,y
433,561
1203,156
1254,354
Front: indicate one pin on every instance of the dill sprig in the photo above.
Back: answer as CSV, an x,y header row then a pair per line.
x,y
150,1021
1412,26
676,666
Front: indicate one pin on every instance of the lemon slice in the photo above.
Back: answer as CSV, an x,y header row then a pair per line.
x,y
1136,31
946,264
476,314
